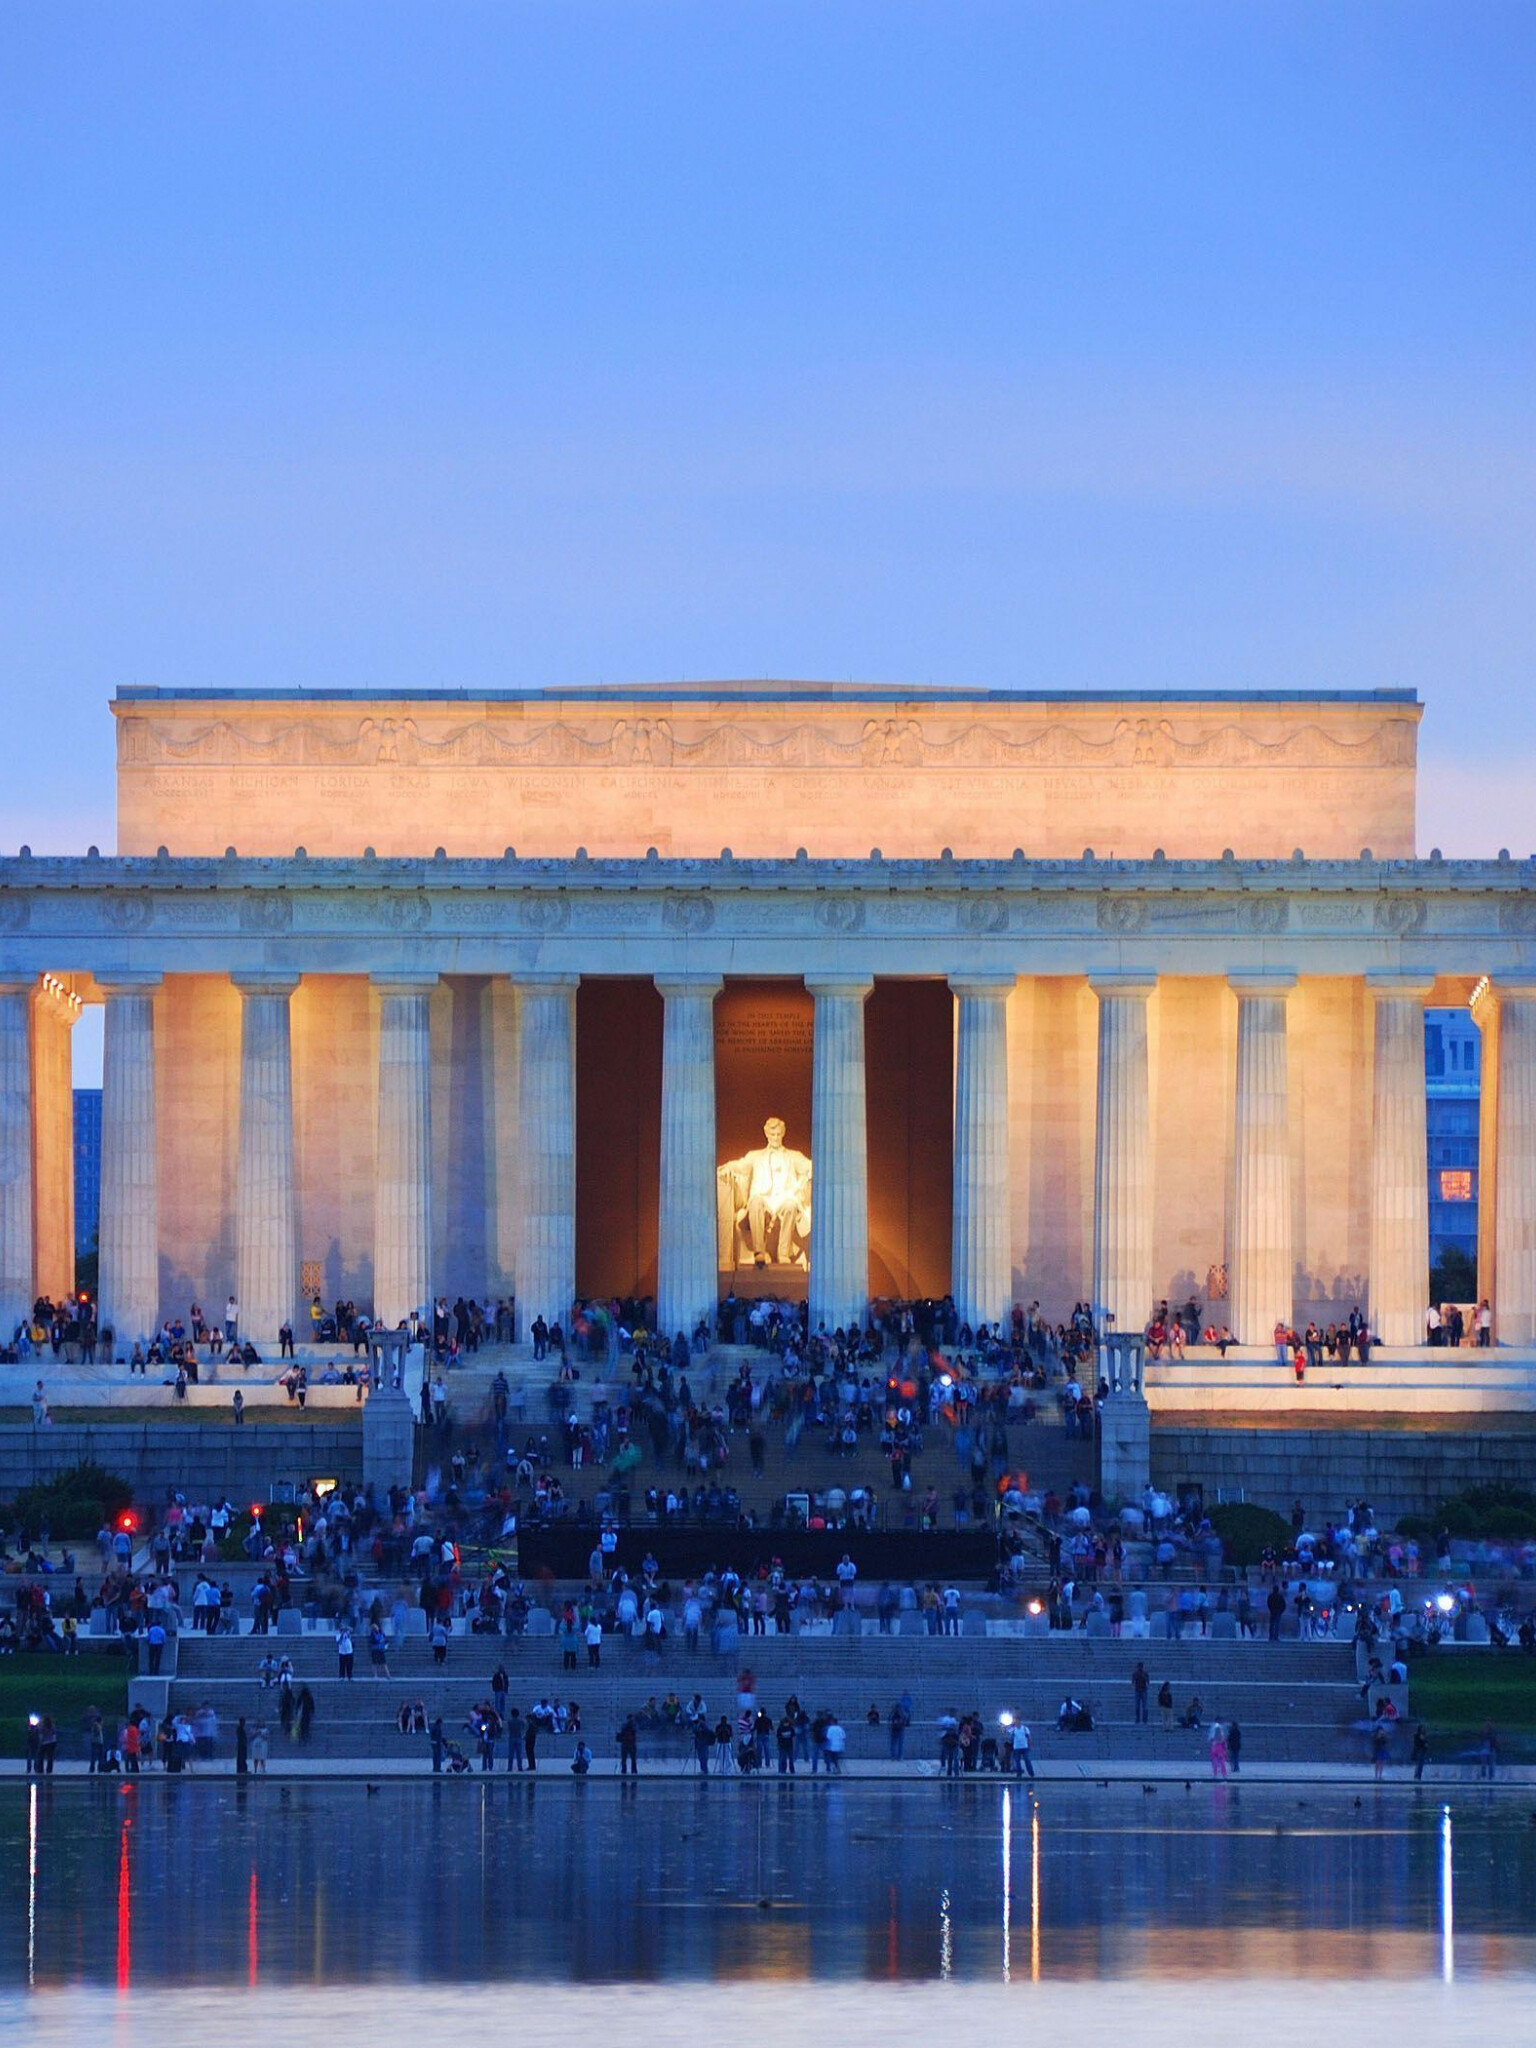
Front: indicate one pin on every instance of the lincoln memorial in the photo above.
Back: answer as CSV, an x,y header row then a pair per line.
x,y
801,990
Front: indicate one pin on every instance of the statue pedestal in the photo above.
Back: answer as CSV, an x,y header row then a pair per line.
x,y
389,1440
1125,1447
765,1283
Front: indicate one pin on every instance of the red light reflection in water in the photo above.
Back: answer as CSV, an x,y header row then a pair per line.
x,y
124,1911
252,1943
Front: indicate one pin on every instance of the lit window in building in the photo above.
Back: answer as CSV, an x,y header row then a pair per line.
x,y
1455,1185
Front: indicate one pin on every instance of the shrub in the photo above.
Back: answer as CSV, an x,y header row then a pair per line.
x,y
1247,1531
1482,1511
73,1504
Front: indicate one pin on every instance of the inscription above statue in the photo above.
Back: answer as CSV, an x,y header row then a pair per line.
x,y
763,1204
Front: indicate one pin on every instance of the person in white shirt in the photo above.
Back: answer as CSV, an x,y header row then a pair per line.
x,y
835,1740
1022,1760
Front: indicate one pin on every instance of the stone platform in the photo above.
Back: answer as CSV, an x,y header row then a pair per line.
x,y
1417,1381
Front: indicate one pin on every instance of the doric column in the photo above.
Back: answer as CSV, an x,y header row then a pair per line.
x,y
1398,1281
54,1010
839,1276
402,1198
1259,1245
546,1099
16,1275
1514,1302
981,1253
687,1284
1122,1157
266,1247
129,1237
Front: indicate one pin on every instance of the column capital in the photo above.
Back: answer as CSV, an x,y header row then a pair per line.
x,y
128,981
984,986
404,982
670,986
262,981
854,986
1259,981
1129,982
15,983
1386,981
1512,988
545,984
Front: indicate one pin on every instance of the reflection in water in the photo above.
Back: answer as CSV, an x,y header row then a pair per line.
x,y
495,1882
32,1791
124,1908
1007,1883
1447,1900
1034,1896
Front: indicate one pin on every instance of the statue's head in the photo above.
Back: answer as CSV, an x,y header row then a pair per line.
x,y
773,1130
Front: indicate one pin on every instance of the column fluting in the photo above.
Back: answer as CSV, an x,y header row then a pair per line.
x,y
402,1199
1398,1280
128,1239
546,1096
1122,1157
16,1105
687,1284
981,1251
266,1240
54,1010
1260,1277
1514,1302
839,1255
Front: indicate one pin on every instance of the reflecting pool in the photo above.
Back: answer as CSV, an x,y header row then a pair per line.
x,y
140,1889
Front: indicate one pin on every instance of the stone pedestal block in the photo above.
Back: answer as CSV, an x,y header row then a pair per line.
x,y
1125,1447
389,1440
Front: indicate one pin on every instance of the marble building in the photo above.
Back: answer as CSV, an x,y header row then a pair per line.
x,y
1058,997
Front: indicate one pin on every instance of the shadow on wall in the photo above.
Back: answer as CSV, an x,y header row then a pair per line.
x,y
1318,1298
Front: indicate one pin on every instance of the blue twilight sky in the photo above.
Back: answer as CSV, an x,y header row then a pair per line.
x,y
1060,345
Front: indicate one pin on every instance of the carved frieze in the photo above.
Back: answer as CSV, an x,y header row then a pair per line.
x,y
541,912
1400,915
271,913
1122,913
982,914
128,910
640,742
688,913
840,913
1263,913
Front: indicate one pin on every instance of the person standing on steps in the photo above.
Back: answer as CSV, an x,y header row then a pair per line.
x,y
1023,1761
629,1748
1140,1686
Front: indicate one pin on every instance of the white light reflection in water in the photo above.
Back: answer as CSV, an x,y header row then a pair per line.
x,y
1007,1885
1034,1894
1447,1901
32,1882
946,1937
